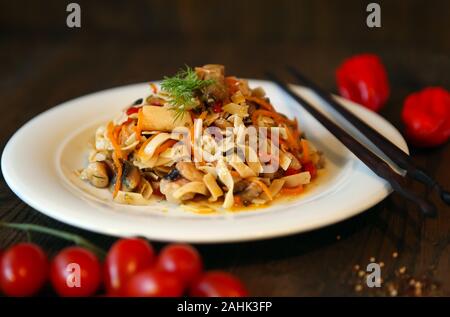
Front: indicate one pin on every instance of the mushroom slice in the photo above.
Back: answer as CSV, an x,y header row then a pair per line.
x,y
131,177
189,171
97,174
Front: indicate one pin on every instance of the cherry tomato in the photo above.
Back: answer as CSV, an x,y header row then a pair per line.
x,y
426,115
154,283
218,284
217,107
182,260
363,79
23,270
311,168
75,272
126,258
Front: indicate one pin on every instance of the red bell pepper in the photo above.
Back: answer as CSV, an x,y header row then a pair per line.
x,y
217,107
132,110
311,168
291,171
426,115
363,79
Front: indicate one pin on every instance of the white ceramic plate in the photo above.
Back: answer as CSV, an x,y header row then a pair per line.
x,y
39,161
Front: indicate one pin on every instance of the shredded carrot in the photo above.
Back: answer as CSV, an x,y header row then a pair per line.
x,y
306,154
292,191
164,146
191,134
237,201
235,174
117,156
111,132
203,115
116,132
123,134
154,88
263,187
261,102
274,115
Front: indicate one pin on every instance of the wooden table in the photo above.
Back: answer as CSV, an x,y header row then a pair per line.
x,y
38,74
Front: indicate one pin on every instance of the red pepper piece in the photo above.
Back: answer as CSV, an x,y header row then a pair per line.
x,y
132,110
426,115
291,171
232,84
311,168
217,107
363,79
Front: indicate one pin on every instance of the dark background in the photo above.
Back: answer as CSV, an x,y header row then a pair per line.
x,y
44,63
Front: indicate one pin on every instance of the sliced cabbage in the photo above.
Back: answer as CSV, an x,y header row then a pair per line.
x,y
274,188
207,169
281,132
296,180
189,188
97,156
234,108
163,119
130,198
225,177
145,188
166,161
211,184
238,97
101,139
149,149
243,170
252,160
285,160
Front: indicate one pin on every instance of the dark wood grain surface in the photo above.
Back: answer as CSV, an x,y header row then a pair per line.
x,y
43,63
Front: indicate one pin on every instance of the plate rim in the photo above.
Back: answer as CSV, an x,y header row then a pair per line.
x,y
377,197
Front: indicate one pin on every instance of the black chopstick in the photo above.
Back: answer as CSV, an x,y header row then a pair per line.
x,y
394,153
376,164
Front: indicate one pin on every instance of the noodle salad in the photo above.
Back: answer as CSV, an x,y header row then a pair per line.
x,y
202,136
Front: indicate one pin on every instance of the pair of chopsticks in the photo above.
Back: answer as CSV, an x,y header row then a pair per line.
x,y
375,163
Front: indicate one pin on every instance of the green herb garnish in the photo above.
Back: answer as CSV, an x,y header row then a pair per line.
x,y
181,89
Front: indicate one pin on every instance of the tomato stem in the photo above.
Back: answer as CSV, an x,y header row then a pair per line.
x,y
78,240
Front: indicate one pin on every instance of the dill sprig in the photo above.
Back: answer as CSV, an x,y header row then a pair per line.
x,y
181,89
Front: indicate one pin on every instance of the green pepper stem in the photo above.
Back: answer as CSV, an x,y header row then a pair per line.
x,y
78,240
